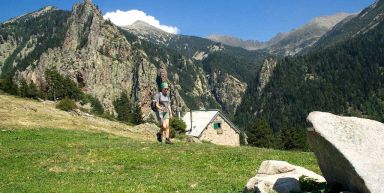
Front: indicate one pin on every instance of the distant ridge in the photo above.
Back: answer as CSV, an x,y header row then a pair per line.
x,y
288,43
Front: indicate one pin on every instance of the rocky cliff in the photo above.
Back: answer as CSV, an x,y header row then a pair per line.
x,y
96,55
204,72
105,60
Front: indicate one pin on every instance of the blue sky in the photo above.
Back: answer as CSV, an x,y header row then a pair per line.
x,y
247,19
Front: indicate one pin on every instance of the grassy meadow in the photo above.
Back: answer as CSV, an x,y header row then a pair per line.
x,y
66,154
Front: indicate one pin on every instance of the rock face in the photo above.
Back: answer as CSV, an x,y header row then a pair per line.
x,y
105,60
349,151
279,176
266,73
96,54
227,90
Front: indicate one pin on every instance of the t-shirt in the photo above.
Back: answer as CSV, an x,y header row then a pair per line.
x,y
164,101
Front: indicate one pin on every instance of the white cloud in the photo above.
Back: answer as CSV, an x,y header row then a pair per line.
x,y
124,18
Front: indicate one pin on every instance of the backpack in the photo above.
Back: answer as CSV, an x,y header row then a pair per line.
x,y
153,103
153,106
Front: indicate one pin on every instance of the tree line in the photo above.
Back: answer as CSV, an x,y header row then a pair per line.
x,y
64,89
346,79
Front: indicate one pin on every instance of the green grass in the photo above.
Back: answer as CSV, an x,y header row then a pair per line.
x,y
55,160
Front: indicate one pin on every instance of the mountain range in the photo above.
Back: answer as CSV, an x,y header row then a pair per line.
x,y
342,73
106,60
289,43
333,63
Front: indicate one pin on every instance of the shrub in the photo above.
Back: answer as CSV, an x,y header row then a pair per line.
x,y
28,90
308,184
8,86
97,107
66,104
177,125
172,133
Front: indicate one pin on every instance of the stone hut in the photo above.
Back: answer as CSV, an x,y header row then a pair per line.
x,y
212,126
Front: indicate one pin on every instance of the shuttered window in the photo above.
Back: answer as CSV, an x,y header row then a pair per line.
x,y
217,125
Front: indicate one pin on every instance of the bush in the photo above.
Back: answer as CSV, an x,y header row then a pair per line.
x,y
177,125
28,90
97,107
66,104
308,184
109,116
8,86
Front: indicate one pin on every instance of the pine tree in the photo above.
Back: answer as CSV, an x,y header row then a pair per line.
x,y
8,86
294,138
260,134
59,86
23,88
123,107
32,91
97,108
137,114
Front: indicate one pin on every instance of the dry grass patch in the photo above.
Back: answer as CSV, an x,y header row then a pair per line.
x,y
20,113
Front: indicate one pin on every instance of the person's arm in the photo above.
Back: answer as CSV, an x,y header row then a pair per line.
x,y
170,110
158,105
158,102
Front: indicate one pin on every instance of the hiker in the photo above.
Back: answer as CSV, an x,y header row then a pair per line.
x,y
163,105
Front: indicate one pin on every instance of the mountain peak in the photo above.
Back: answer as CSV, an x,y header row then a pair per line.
x,y
236,42
331,20
140,25
34,14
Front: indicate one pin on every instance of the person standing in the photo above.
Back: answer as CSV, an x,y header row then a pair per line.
x,y
163,105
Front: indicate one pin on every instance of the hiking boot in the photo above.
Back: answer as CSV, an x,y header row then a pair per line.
x,y
168,141
159,137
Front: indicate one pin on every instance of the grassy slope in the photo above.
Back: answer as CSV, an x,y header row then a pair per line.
x,y
26,113
62,160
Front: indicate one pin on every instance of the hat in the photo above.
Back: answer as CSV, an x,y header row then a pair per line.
x,y
163,85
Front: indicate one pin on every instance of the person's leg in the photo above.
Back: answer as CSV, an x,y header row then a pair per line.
x,y
161,134
167,139
166,128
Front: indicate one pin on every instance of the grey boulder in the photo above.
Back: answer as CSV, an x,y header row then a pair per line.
x,y
349,150
278,176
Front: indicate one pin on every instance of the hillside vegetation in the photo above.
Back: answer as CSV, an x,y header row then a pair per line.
x,y
97,155
345,79
20,113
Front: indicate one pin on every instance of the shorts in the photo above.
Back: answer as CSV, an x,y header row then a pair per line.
x,y
163,116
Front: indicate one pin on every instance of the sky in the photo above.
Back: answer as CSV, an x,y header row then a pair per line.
x,y
245,19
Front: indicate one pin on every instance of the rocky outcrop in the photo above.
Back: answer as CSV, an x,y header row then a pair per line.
x,y
227,90
7,46
265,74
279,176
104,60
349,151
97,56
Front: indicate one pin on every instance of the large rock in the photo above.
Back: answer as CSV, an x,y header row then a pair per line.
x,y
349,150
279,176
